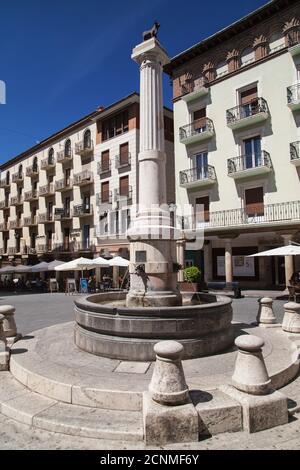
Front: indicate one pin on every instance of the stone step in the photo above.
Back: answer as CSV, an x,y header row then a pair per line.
x,y
21,404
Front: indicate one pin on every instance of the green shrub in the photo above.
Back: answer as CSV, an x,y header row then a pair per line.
x,y
192,274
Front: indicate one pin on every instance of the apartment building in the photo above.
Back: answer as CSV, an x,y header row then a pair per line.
x,y
56,198
237,151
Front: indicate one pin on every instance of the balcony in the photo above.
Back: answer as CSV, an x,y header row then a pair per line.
x,y
194,89
16,200
196,177
62,156
63,185
85,245
3,227
62,214
4,183
281,214
82,211
124,194
46,190
123,161
32,170
31,196
248,114
293,97
295,153
30,221
47,163
249,165
12,250
15,224
104,198
198,131
17,178
46,218
83,178
294,46
103,168
84,148
4,204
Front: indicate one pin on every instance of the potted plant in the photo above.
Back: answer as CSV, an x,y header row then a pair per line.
x,y
192,279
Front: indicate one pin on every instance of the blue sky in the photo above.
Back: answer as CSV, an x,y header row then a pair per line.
x,y
61,59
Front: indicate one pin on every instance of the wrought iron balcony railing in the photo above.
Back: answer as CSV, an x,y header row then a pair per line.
x,y
16,200
124,193
47,163
293,95
63,184
295,151
82,211
103,167
30,221
197,129
17,177
4,204
123,160
84,245
247,110
62,156
32,170
62,214
3,227
247,162
205,172
46,190
46,217
84,147
31,195
104,198
82,178
12,250
16,223
4,183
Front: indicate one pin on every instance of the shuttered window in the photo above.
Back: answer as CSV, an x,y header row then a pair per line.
x,y
105,160
248,95
204,202
124,186
105,192
254,201
124,154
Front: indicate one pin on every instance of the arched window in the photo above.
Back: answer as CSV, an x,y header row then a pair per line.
x,y
222,69
35,164
51,157
7,177
87,141
276,42
247,56
68,149
20,171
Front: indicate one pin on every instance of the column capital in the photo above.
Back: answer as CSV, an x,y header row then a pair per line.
x,y
150,49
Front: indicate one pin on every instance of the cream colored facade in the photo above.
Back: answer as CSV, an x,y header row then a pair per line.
x,y
50,196
215,163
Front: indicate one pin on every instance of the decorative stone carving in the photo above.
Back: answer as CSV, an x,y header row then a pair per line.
x,y
293,23
265,313
168,385
291,319
260,46
209,71
291,31
233,60
250,373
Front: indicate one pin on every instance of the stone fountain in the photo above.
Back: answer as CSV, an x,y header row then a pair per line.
x,y
128,326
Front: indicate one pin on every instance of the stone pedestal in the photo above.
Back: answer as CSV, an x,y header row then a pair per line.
x,y
4,355
168,386
265,316
250,373
153,277
9,324
291,319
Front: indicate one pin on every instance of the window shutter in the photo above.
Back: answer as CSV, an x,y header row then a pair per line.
x,y
105,191
248,95
105,160
254,200
124,153
124,186
204,201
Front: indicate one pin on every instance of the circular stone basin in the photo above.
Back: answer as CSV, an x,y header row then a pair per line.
x,y
105,327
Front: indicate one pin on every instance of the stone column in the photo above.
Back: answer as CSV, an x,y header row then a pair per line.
x,y
115,276
153,279
207,262
288,261
228,261
181,258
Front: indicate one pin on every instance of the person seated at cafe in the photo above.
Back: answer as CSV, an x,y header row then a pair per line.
x,y
295,279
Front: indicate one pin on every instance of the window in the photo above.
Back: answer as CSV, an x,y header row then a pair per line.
x,y
68,149
35,164
7,177
115,125
249,102
105,160
87,141
67,203
86,203
247,56
105,191
124,186
20,171
222,69
254,201
277,42
252,152
204,209
201,165
67,176
124,154
51,157
199,121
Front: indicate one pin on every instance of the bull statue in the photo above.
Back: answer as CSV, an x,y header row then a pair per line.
x,y
151,33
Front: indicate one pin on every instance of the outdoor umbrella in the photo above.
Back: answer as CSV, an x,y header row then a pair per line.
x,y
52,265
119,261
22,269
7,270
78,264
287,250
100,262
40,267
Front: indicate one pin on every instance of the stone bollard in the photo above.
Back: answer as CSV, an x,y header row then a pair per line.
x,y
4,356
266,315
250,373
291,319
168,412
9,324
262,406
168,385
